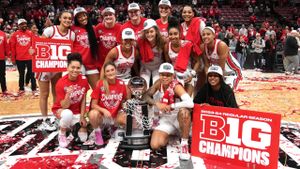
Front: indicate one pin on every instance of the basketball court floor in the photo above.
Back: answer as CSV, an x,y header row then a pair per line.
x,y
23,145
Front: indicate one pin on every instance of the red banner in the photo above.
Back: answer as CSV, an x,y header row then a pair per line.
x,y
51,55
236,137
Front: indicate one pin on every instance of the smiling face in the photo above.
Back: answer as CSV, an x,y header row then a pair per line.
x,y
150,34
208,36
134,15
187,13
164,11
174,35
110,72
166,78
65,19
23,26
127,43
109,18
82,18
214,79
74,69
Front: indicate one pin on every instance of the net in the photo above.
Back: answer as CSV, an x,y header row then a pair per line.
x,y
135,107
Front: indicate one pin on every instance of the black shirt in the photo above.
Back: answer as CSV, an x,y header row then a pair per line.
x,y
223,98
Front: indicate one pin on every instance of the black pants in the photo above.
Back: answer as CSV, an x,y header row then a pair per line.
x,y
270,61
2,75
258,60
22,64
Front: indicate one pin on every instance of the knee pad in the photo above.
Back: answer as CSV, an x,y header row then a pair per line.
x,y
66,118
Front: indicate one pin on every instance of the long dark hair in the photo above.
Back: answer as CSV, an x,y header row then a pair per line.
x,y
91,36
56,21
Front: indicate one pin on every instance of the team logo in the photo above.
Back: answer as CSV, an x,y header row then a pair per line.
x,y
83,40
23,40
108,41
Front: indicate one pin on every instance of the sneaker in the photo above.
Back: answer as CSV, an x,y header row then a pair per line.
x,y
35,93
98,138
47,126
27,89
119,134
184,152
62,140
20,93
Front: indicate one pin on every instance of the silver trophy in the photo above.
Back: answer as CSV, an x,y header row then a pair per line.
x,y
138,125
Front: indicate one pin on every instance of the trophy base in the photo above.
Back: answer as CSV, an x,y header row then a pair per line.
x,y
136,141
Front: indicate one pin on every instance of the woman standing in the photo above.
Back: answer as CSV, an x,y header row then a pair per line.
x,y
107,33
86,44
124,56
216,52
151,46
180,53
60,30
164,8
107,99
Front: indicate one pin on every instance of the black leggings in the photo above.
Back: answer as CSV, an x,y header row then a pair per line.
x,y
22,64
2,75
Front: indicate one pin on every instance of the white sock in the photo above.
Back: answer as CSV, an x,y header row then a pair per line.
x,y
44,118
184,141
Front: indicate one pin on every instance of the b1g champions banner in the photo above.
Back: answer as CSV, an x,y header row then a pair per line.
x,y
51,55
236,137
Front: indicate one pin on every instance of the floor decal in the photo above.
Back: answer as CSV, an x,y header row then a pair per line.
x,y
23,145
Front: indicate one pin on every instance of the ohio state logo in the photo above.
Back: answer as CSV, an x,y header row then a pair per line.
x,y
23,40
83,40
108,41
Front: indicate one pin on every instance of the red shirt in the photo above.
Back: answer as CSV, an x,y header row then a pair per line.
x,y
136,28
113,101
108,40
4,48
163,28
20,42
82,46
80,88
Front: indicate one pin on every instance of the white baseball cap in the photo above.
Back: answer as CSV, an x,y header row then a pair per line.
x,y
215,69
165,2
133,6
79,10
166,68
128,33
108,10
149,23
21,21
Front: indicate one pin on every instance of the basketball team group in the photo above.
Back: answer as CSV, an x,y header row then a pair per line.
x,y
179,64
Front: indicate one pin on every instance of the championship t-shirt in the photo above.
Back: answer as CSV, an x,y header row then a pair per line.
x,y
112,101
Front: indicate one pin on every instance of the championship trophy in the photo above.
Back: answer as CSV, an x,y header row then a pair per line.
x,y
138,124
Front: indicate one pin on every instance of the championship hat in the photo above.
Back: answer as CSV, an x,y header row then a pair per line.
x,y
21,21
215,69
79,10
149,23
133,6
165,2
166,68
108,10
128,33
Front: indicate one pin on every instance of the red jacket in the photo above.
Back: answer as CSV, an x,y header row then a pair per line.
x,y
20,42
4,49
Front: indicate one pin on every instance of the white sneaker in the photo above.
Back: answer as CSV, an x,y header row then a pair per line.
x,y
47,126
27,89
62,140
184,152
119,134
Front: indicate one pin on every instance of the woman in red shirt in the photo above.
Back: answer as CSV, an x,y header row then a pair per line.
x,y
107,99
86,44
69,106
